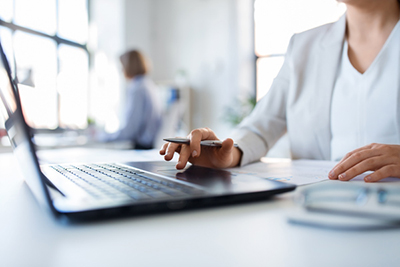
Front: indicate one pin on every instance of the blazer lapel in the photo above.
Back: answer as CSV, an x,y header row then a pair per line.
x,y
327,68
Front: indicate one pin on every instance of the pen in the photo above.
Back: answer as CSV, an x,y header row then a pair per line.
x,y
186,141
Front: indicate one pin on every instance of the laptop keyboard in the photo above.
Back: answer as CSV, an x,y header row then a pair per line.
x,y
118,182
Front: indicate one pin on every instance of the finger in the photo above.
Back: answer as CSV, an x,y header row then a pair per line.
x,y
355,151
163,149
226,148
352,160
196,136
384,172
223,155
171,149
368,164
333,174
183,157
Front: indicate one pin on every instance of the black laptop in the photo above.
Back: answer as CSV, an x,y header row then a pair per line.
x,y
90,191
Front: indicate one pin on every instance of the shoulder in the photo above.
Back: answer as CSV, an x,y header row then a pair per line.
x,y
141,83
325,34
144,81
316,32
309,39
310,42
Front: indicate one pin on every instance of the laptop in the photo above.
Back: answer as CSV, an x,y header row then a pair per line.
x,y
87,191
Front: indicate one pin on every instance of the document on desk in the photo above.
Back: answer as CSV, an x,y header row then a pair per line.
x,y
298,172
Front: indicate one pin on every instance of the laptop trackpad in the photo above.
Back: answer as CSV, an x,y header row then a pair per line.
x,y
218,181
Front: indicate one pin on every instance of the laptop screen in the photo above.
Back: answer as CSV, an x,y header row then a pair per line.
x,y
19,133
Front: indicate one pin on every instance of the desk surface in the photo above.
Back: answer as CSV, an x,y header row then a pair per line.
x,y
255,234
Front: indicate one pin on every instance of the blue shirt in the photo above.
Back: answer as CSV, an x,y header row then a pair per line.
x,y
141,118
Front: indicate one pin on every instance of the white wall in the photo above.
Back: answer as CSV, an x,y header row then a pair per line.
x,y
203,38
108,26
107,42
138,25
211,40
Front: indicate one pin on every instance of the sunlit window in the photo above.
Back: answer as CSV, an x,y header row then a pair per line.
x,y
37,72
72,15
6,10
47,41
275,22
40,15
7,43
72,86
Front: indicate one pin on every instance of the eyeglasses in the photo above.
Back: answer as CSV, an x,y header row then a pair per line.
x,y
352,200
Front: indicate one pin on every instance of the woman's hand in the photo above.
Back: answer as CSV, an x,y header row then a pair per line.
x,y
213,157
383,160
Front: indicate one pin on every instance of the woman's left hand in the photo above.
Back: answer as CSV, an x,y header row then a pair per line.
x,y
383,160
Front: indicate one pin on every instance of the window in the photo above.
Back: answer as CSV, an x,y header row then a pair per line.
x,y
275,22
46,44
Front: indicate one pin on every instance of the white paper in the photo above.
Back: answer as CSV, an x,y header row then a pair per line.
x,y
298,172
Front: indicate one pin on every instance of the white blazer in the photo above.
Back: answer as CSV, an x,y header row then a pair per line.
x,y
299,100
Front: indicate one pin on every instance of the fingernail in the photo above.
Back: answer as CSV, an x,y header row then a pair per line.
x,y
331,174
342,176
367,179
194,153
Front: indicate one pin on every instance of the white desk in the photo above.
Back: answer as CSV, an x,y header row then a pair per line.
x,y
255,234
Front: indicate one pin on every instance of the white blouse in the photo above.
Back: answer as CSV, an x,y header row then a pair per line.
x,y
364,107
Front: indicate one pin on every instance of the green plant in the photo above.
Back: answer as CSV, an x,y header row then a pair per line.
x,y
240,108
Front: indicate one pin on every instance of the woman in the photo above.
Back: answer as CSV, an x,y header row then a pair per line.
x,y
337,96
142,115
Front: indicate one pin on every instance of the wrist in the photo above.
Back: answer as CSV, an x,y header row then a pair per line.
x,y
236,157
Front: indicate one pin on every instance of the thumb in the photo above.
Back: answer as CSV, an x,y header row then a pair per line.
x,y
226,148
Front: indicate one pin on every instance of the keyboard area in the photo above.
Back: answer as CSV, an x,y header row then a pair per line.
x,y
114,181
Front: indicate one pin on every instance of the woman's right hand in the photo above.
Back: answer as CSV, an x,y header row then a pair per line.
x,y
225,156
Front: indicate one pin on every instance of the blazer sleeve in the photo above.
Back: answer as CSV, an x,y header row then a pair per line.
x,y
267,122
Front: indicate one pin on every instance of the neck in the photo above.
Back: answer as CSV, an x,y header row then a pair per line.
x,y
368,18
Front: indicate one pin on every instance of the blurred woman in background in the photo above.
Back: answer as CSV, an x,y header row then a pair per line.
x,y
141,119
